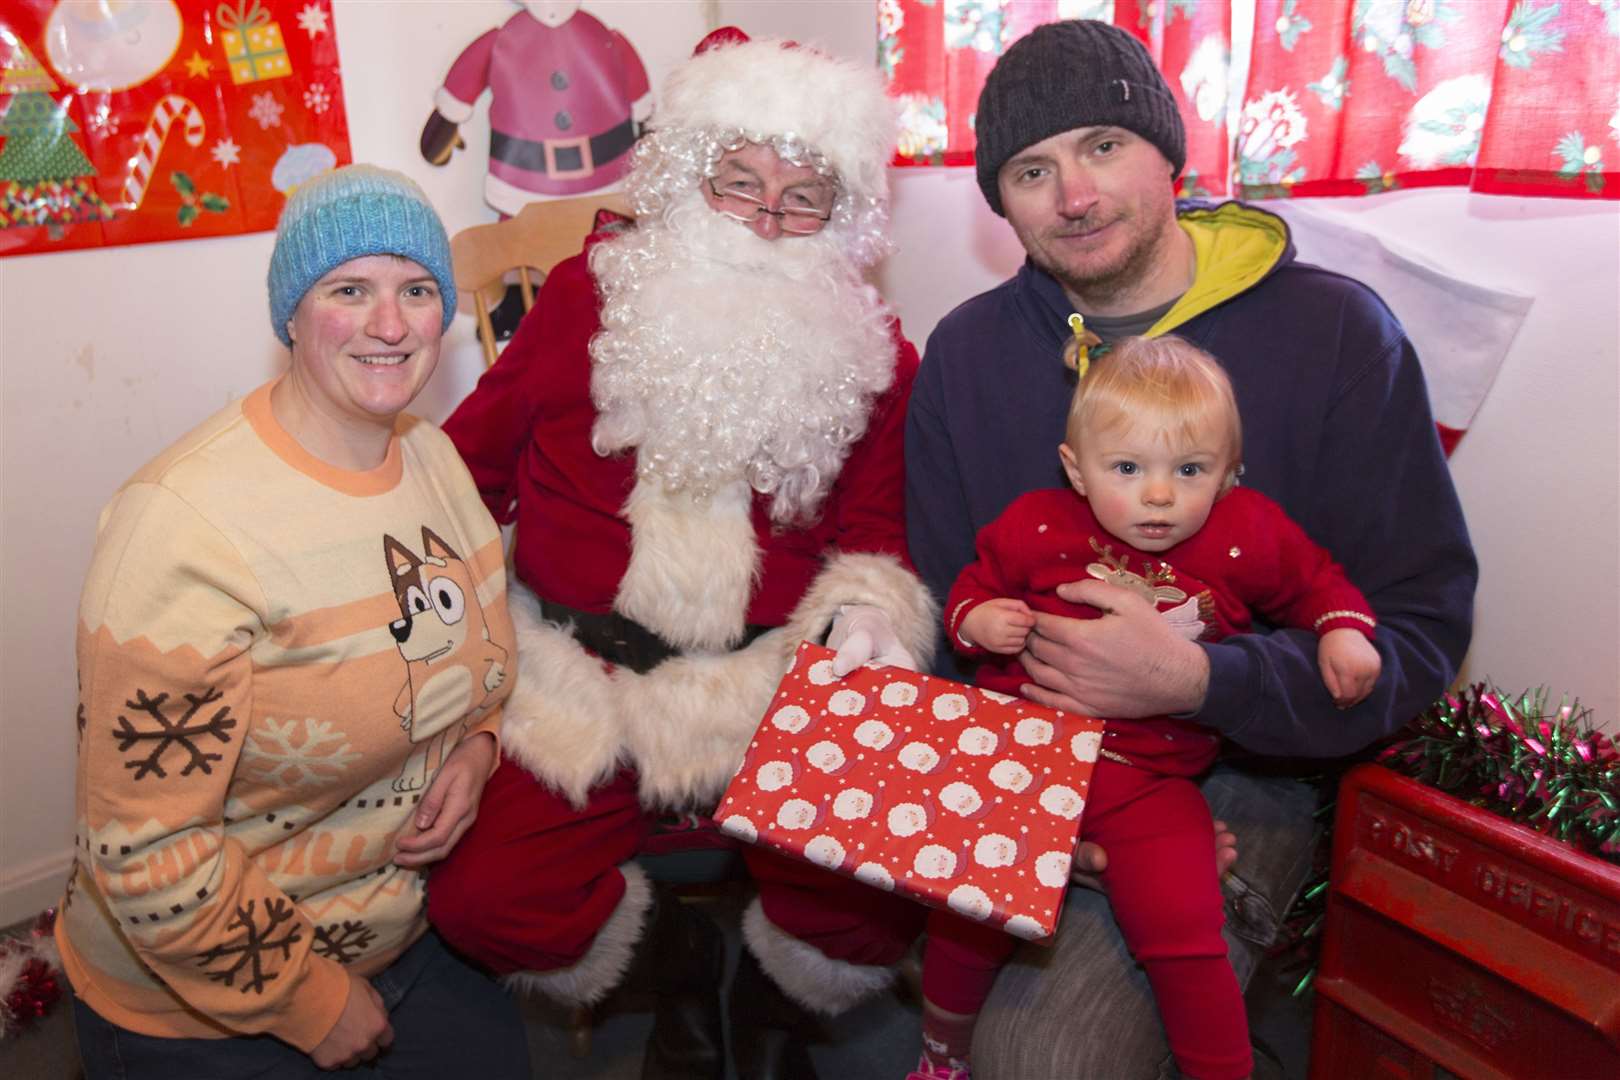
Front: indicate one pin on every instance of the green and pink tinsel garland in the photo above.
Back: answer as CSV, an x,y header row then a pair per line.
x,y
1539,766
1544,768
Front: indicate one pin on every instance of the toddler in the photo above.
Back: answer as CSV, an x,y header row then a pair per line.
x,y
1153,452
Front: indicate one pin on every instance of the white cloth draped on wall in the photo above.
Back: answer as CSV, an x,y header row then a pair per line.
x,y
1462,329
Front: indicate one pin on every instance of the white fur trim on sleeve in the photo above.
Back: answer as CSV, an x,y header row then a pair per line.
x,y
879,580
685,724
688,721
561,722
451,107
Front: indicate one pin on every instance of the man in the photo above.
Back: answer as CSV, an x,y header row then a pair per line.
x,y
1079,145
698,431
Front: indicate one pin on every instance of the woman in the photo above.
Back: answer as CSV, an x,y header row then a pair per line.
x,y
293,650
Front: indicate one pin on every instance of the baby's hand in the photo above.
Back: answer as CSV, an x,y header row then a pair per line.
x,y
1000,625
1350,665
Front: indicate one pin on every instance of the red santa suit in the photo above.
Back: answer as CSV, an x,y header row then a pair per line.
x,y
537,885
1142,806
565,105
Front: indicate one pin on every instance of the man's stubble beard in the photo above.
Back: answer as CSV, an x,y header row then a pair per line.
x,y
727,358
1102,287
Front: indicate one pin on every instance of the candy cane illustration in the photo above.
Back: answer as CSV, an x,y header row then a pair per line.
x,y
164,114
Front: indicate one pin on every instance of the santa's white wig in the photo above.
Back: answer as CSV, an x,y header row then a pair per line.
x,y
810,108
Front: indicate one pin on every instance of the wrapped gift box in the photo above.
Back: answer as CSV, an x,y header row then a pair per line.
x,y
958,797
253,45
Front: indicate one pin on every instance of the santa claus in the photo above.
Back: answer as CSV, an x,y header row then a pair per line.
x,y
698,433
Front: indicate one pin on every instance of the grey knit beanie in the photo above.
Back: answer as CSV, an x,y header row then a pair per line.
x,y
344,214
1066,75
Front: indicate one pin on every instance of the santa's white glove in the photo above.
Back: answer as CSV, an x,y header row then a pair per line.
x,y
863,635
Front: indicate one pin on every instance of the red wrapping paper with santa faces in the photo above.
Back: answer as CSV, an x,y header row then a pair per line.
x,y
960,798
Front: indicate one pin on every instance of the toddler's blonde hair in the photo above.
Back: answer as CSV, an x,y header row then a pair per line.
x,y
1166,384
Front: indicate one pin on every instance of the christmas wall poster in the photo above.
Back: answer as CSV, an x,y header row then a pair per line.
x,y
128,123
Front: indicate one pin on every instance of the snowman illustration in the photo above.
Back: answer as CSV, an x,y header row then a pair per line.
x,y
111,47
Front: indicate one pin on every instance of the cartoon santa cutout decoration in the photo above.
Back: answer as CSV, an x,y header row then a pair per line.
x,y
568,98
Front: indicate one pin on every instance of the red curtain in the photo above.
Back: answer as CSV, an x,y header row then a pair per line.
x,y
1343,97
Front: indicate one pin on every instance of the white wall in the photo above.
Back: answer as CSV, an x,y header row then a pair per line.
x,y
106,356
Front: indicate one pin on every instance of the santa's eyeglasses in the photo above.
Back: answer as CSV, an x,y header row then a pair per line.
x,y
798,220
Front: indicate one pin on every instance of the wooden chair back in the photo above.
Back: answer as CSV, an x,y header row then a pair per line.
x,y
542,235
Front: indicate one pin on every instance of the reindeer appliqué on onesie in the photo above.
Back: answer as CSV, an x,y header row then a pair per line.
x,y
452,668
1190,616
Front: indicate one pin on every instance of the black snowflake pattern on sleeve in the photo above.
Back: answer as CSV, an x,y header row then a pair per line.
x,y
257,946
344,942
169,732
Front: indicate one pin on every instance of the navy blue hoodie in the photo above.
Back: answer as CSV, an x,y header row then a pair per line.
x,y
1336,427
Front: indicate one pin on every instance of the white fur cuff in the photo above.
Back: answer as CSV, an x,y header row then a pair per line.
x,y
805,973
596,973
685,724
879,580
451,107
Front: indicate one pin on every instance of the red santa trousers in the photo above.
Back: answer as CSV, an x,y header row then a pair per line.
x,y
529,885
533,880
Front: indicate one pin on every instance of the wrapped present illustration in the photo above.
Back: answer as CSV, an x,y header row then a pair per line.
x,y
253,45
958,797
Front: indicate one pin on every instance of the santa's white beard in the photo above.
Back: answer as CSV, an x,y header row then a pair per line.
x,y
725,357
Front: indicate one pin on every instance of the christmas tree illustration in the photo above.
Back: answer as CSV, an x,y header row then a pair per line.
x,y
45,179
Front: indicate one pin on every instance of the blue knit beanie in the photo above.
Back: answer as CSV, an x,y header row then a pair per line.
x,y
347,213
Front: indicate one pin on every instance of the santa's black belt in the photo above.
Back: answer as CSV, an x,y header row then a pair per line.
x,y
623,641
563,159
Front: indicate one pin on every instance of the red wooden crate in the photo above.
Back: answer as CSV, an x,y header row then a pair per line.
x,y
1457,940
